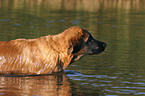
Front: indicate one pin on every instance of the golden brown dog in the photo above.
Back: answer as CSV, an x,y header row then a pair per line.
x,y
47,54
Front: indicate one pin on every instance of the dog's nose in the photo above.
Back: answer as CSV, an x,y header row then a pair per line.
x,y
104,45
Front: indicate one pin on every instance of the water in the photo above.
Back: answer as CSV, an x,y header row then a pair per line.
x,y
119,71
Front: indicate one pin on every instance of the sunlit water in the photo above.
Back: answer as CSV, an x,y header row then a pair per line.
x,y
118,71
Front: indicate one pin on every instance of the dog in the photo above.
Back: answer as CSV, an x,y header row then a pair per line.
x,y
47,54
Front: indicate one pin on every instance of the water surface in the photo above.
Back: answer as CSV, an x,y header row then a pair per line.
x,y
119,71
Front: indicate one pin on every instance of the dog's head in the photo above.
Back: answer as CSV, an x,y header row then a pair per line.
x,y
93,46
81,42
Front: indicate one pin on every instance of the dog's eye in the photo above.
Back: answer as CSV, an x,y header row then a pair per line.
x,y
90,38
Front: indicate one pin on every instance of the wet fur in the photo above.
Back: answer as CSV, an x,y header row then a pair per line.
x,y
42,55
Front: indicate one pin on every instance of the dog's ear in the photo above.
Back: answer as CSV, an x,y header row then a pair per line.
x,y
76,44
86,35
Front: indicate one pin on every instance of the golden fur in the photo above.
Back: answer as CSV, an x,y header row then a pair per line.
x,y
42,55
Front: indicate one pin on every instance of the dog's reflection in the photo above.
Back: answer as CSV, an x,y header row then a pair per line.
x,y
46,85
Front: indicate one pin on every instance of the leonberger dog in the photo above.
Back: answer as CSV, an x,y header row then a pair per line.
x,y
47,54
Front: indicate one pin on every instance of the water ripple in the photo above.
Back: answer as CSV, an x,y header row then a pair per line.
x,y
110,84
4,20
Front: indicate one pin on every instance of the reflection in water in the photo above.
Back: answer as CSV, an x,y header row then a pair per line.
x,y
57,84
40,6
48,85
